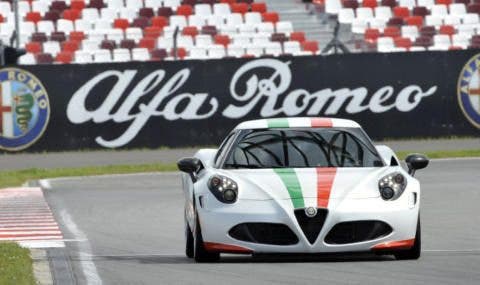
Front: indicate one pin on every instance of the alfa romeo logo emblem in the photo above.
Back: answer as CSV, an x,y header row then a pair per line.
x,y
468,90
311,212
24,109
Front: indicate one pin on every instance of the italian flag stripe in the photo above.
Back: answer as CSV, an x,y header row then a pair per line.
x,y
290,179
321,123
325,178
277,123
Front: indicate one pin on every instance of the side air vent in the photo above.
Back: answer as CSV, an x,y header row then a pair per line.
x,y
311,226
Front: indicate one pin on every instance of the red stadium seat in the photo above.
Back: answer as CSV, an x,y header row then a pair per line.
x,y
369,3
190,31
447,30
2,19
297,37
473,8
33,17
33,47
259,7
70,45
222,40
159,21
77,4
181,53
311,46
403,42
401,12
72,14
189,2
271,17
414,21
371,35
185,10
228,1
64,57
444,2
77,36
121,23
241,8
149,43
392,32
152,32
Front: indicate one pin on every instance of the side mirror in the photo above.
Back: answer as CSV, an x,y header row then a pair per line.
x,y
190,165
416,161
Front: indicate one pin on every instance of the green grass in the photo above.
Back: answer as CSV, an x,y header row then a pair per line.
x,y
18,177
15,265
444,154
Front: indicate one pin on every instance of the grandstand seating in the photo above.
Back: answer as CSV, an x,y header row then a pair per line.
x,y
409,25
86,31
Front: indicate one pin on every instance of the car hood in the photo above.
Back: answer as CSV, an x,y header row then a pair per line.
x,y
308,183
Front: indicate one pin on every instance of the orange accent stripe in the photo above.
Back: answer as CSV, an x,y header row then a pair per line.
x,y
321,123
220,247
400,244
325,178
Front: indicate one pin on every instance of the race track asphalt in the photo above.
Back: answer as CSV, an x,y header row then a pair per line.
x,y
129,230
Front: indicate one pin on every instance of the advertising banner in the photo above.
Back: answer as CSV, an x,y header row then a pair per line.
x,y
193,102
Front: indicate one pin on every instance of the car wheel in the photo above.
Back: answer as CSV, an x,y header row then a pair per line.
x,y
200,253
188,241
414,252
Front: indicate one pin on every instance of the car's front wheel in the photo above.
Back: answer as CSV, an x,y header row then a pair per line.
x,y
415,251
200,253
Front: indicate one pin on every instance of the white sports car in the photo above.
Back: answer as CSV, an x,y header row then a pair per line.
x,y
300,185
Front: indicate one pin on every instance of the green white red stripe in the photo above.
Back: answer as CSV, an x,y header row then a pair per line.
x,y
298,123
308,187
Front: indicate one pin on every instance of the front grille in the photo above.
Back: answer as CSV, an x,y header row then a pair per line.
x,y
311,226
357,231
264,233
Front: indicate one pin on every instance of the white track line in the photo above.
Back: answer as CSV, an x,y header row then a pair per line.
x,y
88,267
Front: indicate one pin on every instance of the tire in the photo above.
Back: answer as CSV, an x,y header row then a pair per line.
x,y
415,251
188,241
200,254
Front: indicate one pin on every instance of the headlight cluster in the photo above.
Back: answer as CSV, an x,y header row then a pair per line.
x,y
392,186
223,188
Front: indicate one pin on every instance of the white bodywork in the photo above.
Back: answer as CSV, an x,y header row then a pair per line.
x,y
264,197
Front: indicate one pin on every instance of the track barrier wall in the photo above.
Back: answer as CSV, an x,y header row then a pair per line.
x,y
188,103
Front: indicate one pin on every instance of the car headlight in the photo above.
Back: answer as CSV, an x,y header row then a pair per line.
x,y
223,188
392,186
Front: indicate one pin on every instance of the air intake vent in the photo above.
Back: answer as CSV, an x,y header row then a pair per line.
x,y
311,226
357,231
264,233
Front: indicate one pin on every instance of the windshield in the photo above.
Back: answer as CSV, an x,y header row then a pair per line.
x,y
300,148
